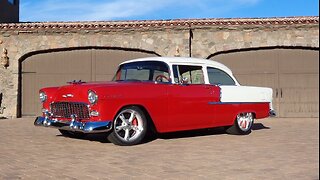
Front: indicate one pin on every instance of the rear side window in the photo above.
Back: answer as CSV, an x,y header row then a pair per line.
x,y
219,77
188,74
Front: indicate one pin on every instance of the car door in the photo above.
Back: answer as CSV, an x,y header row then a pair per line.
x,y
189,99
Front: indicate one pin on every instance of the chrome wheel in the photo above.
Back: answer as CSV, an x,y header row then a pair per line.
x,y
129,125
245,121
242,124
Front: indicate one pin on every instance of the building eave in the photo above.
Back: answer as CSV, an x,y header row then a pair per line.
x,y
154,24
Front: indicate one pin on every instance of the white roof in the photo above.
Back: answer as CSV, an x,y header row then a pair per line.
x,y
184,60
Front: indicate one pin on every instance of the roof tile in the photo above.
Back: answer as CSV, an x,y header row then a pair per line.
x,y
185,23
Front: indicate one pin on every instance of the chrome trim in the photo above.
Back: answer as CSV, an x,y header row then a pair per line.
x,y
74,124
221,103
66,115
128,128
245,121
67,95
272,113
43,96
92,94
94,113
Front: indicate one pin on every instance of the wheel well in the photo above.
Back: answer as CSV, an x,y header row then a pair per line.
x,y
254,115
146,113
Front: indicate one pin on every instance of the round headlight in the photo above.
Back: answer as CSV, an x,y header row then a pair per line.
x,y
92,97
42,96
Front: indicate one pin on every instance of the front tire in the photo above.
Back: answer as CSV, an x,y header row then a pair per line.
x,y
129,127
242,124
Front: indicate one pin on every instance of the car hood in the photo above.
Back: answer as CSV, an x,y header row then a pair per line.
x,y
78,91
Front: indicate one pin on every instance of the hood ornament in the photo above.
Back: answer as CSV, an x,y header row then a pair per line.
x,y
76,82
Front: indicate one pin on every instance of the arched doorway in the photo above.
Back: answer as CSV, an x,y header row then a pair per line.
x,y
56,67
293,73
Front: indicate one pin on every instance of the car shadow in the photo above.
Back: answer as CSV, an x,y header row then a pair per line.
x,y
102,137
192,133
205,132
259,126
98,137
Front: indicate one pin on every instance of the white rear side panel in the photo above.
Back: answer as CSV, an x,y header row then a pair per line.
x,y
245,94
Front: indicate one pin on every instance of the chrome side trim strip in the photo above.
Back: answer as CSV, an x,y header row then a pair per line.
x,y
222,103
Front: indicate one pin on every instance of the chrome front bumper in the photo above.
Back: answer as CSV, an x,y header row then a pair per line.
x,y
74,125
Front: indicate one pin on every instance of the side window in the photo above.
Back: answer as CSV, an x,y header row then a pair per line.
x,y
188,74
217,76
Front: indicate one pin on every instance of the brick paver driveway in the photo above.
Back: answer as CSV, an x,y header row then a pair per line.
x,y
276,149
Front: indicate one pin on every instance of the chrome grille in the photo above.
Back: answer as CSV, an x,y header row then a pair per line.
x,y
66,109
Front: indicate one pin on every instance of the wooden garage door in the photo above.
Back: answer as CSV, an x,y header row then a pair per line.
x,y
57,68
293,74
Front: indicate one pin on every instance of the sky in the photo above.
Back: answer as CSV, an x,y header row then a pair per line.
x,y
115,10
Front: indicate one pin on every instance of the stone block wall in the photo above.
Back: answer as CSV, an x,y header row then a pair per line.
x,y
202,37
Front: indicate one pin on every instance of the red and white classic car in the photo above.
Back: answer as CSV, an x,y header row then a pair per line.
x,y
163,94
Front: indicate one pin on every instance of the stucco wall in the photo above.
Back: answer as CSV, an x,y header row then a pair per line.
x,y
161,37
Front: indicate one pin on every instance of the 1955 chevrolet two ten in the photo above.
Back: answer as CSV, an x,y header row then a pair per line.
x,y
158,94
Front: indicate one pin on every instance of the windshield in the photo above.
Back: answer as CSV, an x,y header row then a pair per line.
x,y
143,71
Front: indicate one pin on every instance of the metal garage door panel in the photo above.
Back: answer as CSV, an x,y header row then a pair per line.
x,y
298,61
299,83
53,80
299,95
261,80
107,61
257,62
67,62
28,94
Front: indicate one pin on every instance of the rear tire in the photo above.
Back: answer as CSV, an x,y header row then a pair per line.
x,y
242,124
129,127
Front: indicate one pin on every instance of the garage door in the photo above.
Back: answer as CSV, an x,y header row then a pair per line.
x,y
293,74
57,68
